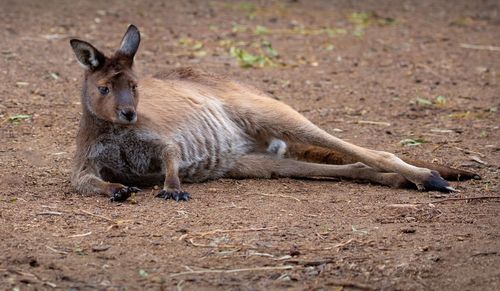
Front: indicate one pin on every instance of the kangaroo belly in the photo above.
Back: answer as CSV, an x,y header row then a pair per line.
x,y
209,145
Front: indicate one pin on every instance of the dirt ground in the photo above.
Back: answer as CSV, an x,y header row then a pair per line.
x,y
372,72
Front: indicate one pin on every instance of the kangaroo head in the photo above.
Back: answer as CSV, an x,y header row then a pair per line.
x,y
110,86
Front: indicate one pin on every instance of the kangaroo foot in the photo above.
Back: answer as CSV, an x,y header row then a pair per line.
x,y
434,182
174,194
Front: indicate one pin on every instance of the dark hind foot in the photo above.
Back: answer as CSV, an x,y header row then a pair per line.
x,y
124,193
448,173
434,182
174,194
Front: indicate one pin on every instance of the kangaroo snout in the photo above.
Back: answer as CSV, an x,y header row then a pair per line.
x,y
127,115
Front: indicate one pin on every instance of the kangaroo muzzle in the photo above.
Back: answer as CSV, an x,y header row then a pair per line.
x,y
127,115
126,110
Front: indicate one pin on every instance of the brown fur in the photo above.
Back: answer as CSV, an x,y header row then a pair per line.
x,y
192,126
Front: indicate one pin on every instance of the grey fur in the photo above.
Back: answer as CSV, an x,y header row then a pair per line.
x,y
88,56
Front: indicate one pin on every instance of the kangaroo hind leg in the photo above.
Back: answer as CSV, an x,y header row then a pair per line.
x,y
317,154
273,119
265,166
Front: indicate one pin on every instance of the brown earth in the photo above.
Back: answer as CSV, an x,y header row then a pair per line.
x,y
382,61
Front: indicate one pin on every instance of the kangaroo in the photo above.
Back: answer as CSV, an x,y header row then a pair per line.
x,y
192,126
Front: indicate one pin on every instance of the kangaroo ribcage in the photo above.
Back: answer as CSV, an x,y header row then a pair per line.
x,y
209,143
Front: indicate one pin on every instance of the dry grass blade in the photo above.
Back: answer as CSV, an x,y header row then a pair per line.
x,y
470,152
480,47
50,213
222,246
254,253
229,271
374,122
96,215
21,273
81,235
277,195
485,254
478,160
351,284
339,245
202,234
397,205
56,251
314,263
466,198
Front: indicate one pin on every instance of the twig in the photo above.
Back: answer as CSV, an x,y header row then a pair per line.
x,y
50,213
253,253
459,199
232,270
279,195
30,275
437,147
351,285
337,246
48,206
344,243
320,236
485,254
478,160
402,205
178,287
311,263
374,122
97,215
248,246
81,235
310,215
480,47
202,234
49,284
470,152
56,251
191,241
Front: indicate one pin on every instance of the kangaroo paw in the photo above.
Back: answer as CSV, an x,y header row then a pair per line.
x,y
124,193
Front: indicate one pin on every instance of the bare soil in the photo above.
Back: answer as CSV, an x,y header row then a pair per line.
x,y
367,71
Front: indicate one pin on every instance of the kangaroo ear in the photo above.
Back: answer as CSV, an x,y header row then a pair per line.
x,y
87,55
130,42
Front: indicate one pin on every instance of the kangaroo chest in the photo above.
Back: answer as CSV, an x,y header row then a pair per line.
x,y
126,155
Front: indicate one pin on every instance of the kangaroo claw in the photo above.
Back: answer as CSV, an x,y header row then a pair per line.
x,y
174,194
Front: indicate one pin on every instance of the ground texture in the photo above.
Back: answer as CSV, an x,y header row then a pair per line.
x,y
372,72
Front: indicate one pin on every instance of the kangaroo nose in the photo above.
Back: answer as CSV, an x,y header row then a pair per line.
x,y
128,114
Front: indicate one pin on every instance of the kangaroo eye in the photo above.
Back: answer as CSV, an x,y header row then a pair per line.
x,y
134,87
103,90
